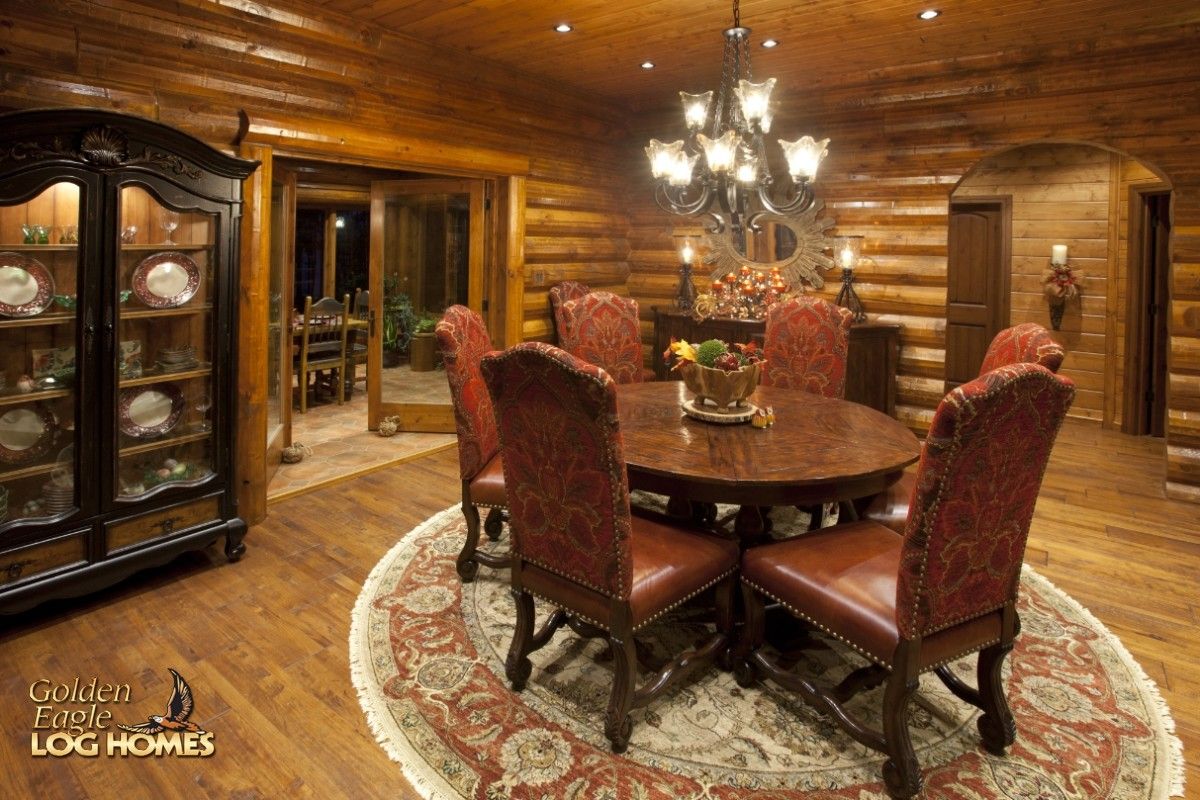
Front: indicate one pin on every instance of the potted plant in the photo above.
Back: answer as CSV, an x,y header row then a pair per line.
x,y
423,347
398,321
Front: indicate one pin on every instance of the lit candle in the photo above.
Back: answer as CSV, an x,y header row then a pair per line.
x,y
847,258
686,253
730,278
1058,254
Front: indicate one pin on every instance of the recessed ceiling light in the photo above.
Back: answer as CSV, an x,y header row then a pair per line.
x,y
929,13
563,27
769,43
647,65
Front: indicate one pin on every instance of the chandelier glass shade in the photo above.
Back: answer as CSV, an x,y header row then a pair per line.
x,y
721,170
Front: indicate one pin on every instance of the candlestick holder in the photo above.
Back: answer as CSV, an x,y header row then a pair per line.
x,y
685,293
848,298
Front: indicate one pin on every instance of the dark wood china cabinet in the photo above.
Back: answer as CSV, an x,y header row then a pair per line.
x,y
118,290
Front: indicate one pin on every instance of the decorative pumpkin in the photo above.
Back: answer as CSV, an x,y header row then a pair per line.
x,y
295,453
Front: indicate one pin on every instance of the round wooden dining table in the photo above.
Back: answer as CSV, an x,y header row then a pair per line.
x,y
819,450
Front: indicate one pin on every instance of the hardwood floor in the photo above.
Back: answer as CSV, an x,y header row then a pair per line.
x,y
263,643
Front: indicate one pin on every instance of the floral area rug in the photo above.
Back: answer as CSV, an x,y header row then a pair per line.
x,y
427,658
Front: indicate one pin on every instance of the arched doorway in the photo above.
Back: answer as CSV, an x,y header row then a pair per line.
x,y
1098,203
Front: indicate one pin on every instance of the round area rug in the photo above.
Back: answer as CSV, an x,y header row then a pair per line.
x,y
427,658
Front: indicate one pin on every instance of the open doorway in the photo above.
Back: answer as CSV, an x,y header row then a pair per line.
x,y
429,246
1105,212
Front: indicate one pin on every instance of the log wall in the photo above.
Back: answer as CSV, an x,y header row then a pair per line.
x,y
310,82
904,137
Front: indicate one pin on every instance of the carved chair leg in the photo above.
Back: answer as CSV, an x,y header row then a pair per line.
x,y
901,772
996,724
517,666
751,638
723,600
466,564
493,526
617,723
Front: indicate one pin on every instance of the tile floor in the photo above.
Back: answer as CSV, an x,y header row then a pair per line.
x,y
342,447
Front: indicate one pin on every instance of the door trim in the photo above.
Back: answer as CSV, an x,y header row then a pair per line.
x,y
419,416
1136,322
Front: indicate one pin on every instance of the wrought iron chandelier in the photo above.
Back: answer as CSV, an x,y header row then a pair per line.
x,y
724,173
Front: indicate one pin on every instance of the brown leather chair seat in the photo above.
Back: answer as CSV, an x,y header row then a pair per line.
x,y
487,487
667,566
847,585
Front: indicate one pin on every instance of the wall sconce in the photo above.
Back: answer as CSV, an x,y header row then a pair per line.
x,y
685,293
1061,283
847,255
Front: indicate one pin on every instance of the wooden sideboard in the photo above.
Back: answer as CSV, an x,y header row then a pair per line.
x,y
873,357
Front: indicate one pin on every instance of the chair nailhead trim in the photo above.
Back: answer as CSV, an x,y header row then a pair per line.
x,y
928,668
645,622
683,600
798,613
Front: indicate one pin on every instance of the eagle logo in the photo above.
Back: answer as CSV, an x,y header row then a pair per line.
x,y
179,708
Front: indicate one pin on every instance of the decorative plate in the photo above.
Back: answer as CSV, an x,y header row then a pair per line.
x,y
26,433
26,288
150,411
166,280
705,414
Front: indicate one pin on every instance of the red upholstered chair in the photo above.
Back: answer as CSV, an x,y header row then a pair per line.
x,y
805,345
1026,343
946,589
603,329
560,294
575,544
463,340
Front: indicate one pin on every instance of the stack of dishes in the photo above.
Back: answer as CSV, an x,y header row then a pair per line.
x,y
177,359
58,497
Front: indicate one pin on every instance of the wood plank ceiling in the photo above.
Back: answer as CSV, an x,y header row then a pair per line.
x,y
821,42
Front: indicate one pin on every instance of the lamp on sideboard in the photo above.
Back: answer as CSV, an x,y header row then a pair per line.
x,y
685,293
847,255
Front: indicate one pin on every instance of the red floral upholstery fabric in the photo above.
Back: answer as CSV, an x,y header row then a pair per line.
x,y
1026,342
805,345
977,482
564,469
603,330
463,340
560,295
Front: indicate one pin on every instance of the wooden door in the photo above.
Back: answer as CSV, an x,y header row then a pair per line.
x,y
281,267
427,252
1147,333
977,291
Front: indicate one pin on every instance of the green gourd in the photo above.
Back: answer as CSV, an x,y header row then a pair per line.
x,y
707,352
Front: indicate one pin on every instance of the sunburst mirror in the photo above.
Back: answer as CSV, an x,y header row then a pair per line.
x,y
803,265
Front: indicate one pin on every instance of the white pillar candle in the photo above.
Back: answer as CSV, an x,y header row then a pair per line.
x,y
847,258
1058,254
686,254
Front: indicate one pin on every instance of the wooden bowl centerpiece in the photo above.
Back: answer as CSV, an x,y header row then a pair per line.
x,y
721,378
726,391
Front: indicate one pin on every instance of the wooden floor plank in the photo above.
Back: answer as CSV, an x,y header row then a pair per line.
x,y
263,643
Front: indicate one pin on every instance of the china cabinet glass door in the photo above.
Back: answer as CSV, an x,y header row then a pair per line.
x,y
165,345
40,272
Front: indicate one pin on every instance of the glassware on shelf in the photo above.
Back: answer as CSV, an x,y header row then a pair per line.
x,y
29,233
170,222
203,404
129,234
69,234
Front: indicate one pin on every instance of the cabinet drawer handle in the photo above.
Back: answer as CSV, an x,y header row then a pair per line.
x,y
168,524
15,569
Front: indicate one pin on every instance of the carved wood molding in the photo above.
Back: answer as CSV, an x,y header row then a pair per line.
x,y
102,146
